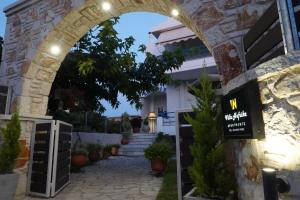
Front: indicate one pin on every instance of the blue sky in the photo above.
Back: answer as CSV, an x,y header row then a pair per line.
x,y
135,24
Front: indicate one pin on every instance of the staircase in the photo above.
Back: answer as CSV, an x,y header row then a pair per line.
x,y
137,143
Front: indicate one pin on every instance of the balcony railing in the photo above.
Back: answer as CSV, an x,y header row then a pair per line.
x,y
169,118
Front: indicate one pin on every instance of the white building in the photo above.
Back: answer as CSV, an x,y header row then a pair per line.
x,y
164,103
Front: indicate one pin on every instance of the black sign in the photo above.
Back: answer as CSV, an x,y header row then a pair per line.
x,y
242,113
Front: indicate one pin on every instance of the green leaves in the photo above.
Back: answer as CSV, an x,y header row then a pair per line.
x,y
10,148
209,170
159,150
102,65
87,66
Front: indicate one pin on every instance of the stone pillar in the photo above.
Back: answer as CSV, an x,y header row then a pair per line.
x,y
279,82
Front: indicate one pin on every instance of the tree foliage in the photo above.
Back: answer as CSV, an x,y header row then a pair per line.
x,y
103,65
10,148
209,171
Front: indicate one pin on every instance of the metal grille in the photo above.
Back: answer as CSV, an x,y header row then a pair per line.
x,y
184,138
49,169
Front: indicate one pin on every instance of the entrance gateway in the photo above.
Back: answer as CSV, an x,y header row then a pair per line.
x,y
36,26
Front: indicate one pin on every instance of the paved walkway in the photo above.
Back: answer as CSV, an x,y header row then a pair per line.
x,y
119,178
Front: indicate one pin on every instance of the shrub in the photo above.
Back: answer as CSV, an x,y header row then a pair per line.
x,y
161,151
94,147
209,170
136,122
126,135
113,126
161,137
10,148
107,149
116,146
80,151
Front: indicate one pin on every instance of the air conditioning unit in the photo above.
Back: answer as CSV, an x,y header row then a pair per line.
x,y
4,100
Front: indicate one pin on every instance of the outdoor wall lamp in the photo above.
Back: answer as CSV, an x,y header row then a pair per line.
x,y
175,13
55,50
273,185
106,6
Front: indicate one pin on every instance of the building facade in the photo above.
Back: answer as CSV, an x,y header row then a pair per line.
x,y
168,99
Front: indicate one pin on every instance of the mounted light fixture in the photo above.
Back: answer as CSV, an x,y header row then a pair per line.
x,y
55,50
106,6
273,185
175,13
152,115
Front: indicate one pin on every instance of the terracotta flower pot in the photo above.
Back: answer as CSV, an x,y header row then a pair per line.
x,y
79,160
158,165
124,141
114,151
94,156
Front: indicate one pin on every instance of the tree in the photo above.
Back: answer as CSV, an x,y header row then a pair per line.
x,y
209,171
10,149
101,65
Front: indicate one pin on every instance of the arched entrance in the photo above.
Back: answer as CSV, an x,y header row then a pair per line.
x,y
29,67
35,27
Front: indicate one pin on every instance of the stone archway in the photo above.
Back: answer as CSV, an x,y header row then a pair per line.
x,y
34,26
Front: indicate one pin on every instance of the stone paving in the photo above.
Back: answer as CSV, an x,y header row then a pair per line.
x,y
119,178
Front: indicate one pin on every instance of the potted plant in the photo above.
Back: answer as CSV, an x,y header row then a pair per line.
x,y
115,149
136,124
209,171
9,152
125,123
79,157
94,152
145,126
107,151
158,154
125,138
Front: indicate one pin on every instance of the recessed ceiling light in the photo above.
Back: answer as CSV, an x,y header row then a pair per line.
x,y
106,6
175,13
55,50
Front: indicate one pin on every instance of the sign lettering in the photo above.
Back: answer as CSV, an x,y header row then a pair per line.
x,y
242,114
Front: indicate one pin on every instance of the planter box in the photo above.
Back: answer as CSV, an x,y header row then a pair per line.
x,y
8,185
189,196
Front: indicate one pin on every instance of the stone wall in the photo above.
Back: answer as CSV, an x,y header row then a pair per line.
x,y
97,138
280,95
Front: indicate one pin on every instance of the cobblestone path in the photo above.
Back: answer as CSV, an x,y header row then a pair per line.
x,y
119,178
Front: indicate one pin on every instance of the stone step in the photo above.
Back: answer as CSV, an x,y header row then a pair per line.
x,y
143,136
131,153
139,143
140,140
134,146
133,149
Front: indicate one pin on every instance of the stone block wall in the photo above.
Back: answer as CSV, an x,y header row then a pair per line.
x,y
279,82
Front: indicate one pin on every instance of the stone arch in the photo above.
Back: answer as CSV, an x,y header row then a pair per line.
x,y
33,26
